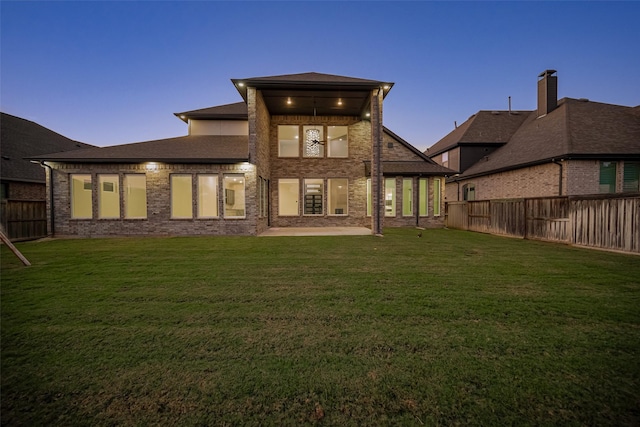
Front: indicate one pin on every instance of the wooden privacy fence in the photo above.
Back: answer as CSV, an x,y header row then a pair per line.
x,y
24,219
607,221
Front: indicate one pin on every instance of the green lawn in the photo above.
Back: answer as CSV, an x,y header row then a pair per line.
x,y
453,328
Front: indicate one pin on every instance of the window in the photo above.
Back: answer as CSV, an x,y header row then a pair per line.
x,y
445,159
436,197
234,194
108,197
407,197
81,204
338,141
264,197
631,176
313,196
390,197
369,197
288,141
338,197
469,192
423,197
207,196
181,196
135,196
288,194
608,177
313,141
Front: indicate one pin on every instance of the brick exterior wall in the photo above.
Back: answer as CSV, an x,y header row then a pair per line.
x,y
259,124
26,190
158,221
579,177
351,168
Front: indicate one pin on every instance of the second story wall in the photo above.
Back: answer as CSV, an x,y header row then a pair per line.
x,y
218,127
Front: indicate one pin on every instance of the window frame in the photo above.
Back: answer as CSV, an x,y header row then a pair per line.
x,y
199,196
330,140
173,181
437,196
72,192
289,181
102,205
227,194
423,197
608,170
390,210
280,140
126,195
337,182
407,208
307,191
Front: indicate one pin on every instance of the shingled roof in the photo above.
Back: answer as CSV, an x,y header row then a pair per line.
x,y
236,111
184,149
482,128
22,139
576,129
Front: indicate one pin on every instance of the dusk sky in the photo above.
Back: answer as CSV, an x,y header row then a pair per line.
x,y
109,73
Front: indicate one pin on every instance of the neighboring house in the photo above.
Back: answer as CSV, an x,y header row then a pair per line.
x,y
301,150
20,139
564,148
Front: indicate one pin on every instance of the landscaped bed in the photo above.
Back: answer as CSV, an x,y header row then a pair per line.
x,y
452,328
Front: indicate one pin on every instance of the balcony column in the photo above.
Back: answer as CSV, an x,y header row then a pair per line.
x,y
377,201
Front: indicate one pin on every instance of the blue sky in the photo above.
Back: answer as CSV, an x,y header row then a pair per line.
x,y
110,73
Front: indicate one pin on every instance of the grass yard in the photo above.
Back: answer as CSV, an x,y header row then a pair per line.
x,y
453,328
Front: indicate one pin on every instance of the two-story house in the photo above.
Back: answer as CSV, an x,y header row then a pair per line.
x,y
301,150
566,147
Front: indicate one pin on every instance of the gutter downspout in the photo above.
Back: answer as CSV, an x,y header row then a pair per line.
x,y
52,210
560,178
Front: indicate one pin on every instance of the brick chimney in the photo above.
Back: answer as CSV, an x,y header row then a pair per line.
x,y
547,92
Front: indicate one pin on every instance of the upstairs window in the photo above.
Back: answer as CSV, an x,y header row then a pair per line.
x,y
313,141
337,141
288,141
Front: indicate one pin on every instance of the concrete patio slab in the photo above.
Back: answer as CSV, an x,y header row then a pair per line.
x,y
316,231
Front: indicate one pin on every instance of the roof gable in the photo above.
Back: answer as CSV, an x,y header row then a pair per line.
x,y
482,128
